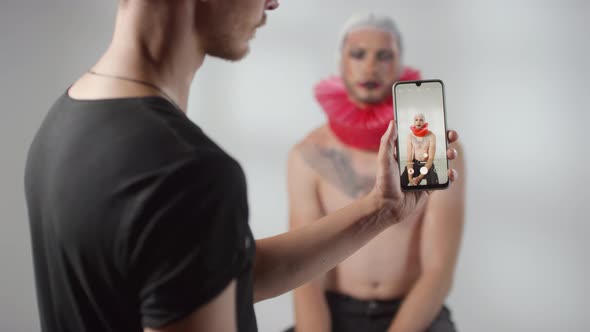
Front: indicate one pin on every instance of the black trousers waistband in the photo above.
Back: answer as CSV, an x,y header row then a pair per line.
x,y
347,304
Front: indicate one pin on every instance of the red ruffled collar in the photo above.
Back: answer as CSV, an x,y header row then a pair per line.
x,y
354,126
420,132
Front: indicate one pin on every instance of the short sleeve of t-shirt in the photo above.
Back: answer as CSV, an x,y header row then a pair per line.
x,y
186,242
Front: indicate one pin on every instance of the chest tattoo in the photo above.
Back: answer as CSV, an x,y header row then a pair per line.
x,y
335,166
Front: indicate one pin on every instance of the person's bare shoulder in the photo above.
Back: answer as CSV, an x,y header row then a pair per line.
x,y
432,136
316,152
319,137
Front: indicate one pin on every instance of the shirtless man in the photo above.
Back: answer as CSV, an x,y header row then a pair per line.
x,y
399,280
421,150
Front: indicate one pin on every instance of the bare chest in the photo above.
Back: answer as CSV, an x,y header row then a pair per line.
x,y
420,143
389,263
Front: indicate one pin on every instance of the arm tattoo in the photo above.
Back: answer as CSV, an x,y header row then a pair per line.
x,y
336,167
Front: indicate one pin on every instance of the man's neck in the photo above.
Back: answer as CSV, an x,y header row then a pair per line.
x,y
163,52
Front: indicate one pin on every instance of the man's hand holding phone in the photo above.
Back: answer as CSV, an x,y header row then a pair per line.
x,y
395,204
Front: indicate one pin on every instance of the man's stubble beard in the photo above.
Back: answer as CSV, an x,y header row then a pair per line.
x,y
369,100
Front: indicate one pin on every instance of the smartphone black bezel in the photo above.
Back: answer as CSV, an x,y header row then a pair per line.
x,y
440,186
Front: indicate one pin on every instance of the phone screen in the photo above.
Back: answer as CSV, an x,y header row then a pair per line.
x,y
422,145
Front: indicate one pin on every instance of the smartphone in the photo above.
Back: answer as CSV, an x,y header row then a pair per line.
x,y
420,116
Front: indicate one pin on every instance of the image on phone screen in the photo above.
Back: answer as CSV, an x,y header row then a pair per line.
x,y
421,122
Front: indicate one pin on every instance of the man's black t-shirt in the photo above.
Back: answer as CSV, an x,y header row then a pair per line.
x,y
137,218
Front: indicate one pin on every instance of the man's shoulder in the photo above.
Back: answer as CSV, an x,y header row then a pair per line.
x,y
319,137
311,146
199,173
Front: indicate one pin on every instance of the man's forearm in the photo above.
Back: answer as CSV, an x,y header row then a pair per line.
x,y
429,163
422,304
410,166
289,260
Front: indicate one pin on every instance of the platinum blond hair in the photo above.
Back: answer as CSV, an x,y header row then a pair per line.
x,y
370,20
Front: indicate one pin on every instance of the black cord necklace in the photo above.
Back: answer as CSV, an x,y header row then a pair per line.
x,y
151,85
